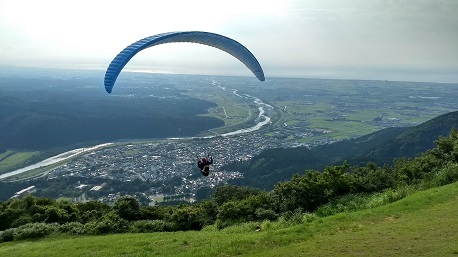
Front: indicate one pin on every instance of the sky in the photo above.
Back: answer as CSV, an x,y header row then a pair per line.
x,y
408,40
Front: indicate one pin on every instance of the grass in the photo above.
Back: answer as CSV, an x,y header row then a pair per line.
x,y
234,111
11,160
422,224
231,109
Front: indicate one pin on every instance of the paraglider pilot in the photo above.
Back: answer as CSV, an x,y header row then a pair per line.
x,y
204,165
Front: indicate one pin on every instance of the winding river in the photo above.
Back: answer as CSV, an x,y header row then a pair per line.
x,y
52,160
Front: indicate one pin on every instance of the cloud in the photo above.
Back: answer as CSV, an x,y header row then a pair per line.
x,y
294,37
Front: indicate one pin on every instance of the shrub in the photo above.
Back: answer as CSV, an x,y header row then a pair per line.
x,y
347,203
147,226
265,214
292,217
229,193
7,235
212,227
21,220
34,230
55,214
308,217
186,218
90,228
111,223
326,210
266,225
393,195
73,228
447,175
128,208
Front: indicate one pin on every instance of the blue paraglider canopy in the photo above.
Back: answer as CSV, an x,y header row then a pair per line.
x,y
223,43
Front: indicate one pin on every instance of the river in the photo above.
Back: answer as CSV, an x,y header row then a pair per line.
x,y
52,160
265,119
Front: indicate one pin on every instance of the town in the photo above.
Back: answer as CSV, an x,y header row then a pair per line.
x,y
158,161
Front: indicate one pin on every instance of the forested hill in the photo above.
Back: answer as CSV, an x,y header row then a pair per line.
x,y
380,147
44,113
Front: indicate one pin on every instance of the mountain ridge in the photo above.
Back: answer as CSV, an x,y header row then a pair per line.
x,y
380,147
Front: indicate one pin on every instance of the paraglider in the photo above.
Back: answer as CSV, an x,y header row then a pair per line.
x,y
223,43
204,164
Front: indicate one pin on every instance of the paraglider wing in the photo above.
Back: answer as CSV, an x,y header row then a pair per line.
x,y
206,38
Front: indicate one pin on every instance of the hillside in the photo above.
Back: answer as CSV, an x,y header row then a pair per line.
x,y
380,147
421,224
384,145
43,113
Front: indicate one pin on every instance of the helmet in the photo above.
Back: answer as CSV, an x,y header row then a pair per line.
x,y
204,160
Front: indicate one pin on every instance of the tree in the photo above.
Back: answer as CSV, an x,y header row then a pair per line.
x,y
313,189
91,211
186,218
128,208
154,212
111,223
254,208
56,215
230,193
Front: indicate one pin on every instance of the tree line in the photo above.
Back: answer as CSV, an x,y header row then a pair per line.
x,y
34,217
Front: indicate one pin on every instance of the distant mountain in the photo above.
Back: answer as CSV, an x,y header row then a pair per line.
x,y
274,165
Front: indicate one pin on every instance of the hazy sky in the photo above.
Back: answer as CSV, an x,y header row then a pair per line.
x,y
415,40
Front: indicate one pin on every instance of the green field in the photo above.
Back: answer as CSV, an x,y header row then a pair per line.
x,y
347,108
11,160
230,108
422,224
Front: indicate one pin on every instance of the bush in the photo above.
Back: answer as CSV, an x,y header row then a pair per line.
x,y
308,217
266,225
21,220
90,228
212,227
283,222
147,226
186,218
447,175
55,214
393,195
265,214
292,217
111,223
7,235
326,210
128,208
347,203
34,230
74,228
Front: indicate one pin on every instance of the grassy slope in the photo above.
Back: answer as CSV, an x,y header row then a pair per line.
x,y
424,224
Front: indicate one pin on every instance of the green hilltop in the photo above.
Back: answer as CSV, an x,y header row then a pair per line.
x,y
422,224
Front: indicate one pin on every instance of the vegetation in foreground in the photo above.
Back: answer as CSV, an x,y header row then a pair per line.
x,y
422,224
